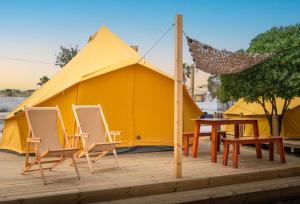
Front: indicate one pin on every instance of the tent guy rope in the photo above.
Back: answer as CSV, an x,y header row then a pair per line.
x,y
26,60
156,42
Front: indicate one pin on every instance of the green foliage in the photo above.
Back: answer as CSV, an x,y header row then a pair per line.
x,y
241,51
187,71
65,55
278,77
15,93
26,93
43,80
10,92
216,90
213,84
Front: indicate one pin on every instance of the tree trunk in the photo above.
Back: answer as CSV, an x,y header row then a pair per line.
x,y
280,120
269,118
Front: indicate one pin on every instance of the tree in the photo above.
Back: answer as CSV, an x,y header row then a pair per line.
x,y
187,71
7,92
27,92
43,80
65,55
213,84
16,93
10,92
278,77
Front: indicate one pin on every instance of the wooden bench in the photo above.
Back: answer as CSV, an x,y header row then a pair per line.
x,y
187,135
236,142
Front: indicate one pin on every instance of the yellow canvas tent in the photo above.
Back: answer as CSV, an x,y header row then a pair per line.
x,y
136,97
291,121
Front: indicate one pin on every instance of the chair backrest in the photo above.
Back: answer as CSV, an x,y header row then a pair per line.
x,y
43,124
91,120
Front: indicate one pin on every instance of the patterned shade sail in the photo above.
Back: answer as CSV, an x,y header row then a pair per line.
x,y
215,61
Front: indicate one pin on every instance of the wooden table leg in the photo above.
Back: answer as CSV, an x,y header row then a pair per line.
x,y
235,155
271,151
281,151
196,139
237,135
257,145
225,153
258,150
214,141
186,145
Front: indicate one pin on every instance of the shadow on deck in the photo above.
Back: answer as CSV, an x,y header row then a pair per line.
x,y
140,174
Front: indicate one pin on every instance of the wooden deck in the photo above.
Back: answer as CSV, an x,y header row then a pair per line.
x,y
293,144
140,174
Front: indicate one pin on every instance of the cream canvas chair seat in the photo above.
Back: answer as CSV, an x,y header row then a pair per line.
x,y
43,138
94,134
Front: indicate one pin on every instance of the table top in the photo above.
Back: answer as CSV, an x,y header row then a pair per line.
x,y
226,120
223,119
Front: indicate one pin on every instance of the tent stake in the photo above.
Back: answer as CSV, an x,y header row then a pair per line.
x,y
178,94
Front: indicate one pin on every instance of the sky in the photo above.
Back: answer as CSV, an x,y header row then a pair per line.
x,y
34,29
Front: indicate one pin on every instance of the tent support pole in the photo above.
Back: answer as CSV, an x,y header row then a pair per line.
x,y
193,81
178,97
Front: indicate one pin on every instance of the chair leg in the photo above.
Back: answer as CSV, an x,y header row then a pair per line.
x,y
75,166
27,156
28,166
99,156
281,151
41,171
79,155
116,157
89,161
235,154
62,159
225,153
271,151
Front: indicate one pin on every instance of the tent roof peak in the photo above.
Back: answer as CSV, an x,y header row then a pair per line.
x,y
105,52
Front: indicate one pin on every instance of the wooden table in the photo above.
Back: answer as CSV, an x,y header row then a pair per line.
x,y
215,123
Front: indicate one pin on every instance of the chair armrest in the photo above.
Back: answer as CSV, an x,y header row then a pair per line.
x,y
76,138
84,135
33,140
115,134
80,135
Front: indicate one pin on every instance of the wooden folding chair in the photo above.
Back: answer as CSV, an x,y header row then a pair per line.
x,y
94,134
43,137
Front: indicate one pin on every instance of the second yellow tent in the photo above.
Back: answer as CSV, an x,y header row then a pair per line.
x,y
290,125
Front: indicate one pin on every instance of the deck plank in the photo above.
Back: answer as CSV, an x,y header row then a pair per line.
x,y
253,192
137,173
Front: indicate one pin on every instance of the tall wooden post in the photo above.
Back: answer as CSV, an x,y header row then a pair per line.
x,y
193,81
178,94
